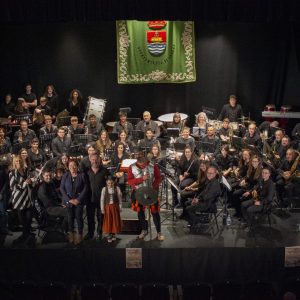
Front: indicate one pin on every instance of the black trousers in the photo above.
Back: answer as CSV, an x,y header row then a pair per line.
x,y
93,209
142,219
25,218
249,210
59,211
75,213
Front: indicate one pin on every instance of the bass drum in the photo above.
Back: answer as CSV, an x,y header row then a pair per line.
x,y
95,107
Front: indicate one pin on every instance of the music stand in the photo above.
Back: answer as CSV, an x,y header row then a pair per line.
x,y
17,147
82,139
210,112
173,132
18,118
113,136
137,135
74,150
133,121
237,142
226,188
179,147
64,121
205,147
47,138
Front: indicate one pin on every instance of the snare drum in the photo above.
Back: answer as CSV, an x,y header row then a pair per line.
x,y
216,124
96,107
269,107
110,126
234,125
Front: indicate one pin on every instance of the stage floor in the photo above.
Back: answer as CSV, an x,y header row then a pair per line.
x,y
284,232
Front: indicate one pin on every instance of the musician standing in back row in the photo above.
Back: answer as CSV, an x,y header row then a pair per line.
x,y
233,111
142,174
148,123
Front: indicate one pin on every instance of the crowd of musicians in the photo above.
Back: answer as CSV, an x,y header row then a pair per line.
x,y
48,167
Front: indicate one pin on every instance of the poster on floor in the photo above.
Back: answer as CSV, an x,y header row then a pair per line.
x,y
292,257
134,258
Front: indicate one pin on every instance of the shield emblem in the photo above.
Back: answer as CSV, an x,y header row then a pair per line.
x,y
156,42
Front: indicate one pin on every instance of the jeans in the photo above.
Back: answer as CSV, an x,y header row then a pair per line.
x,y
75,212
156,220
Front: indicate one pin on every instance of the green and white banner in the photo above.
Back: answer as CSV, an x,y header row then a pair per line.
x,y
155,52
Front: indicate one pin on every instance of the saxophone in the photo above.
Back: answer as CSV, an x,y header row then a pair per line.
x,y
294,172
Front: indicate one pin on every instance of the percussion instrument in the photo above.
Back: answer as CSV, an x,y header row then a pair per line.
x,y
280,114
146,195
234,125
4,121
216,124
95,107
159,123
168,118
283,122
110,126
269,107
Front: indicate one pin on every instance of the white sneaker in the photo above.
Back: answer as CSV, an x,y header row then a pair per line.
x,y
143,234
113,237
109,238
160,237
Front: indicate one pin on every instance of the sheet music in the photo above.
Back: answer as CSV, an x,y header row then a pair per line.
x,y
126,163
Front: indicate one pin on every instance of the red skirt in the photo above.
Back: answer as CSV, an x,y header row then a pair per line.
x,y
112,222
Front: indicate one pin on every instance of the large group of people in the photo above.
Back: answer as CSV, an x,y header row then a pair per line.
x,y
69,165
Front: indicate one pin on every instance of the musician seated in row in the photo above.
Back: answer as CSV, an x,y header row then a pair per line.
x,y
224,161
117,158
124,139
262,197
187,171
7,107
286,179
36,155
63,163
24,134
186,139
94,127
201,123
144,174
149,140
5,145
195,188
214,143
296,136
246,184
52,99
61,143
51,199
30,98
103,145
75,127
252,137
176,123
224,131
147,123
41,111
233,111
75,105
21,108
48,128
123,125
206,201
155,156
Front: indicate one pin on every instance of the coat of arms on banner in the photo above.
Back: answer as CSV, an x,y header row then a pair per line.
x,y
155,51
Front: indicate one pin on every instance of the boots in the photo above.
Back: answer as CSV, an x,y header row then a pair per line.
x,y
71,236
78,238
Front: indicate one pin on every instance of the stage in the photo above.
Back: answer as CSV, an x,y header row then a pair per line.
x,y
231,254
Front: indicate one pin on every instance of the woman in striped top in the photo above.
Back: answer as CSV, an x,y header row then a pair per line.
x,y
20,188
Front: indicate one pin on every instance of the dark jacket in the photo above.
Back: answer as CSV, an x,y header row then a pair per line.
x,y
76,190
266,191
47,194
210,193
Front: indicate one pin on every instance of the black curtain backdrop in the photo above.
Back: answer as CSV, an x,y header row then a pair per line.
x,y
247,48
257,61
